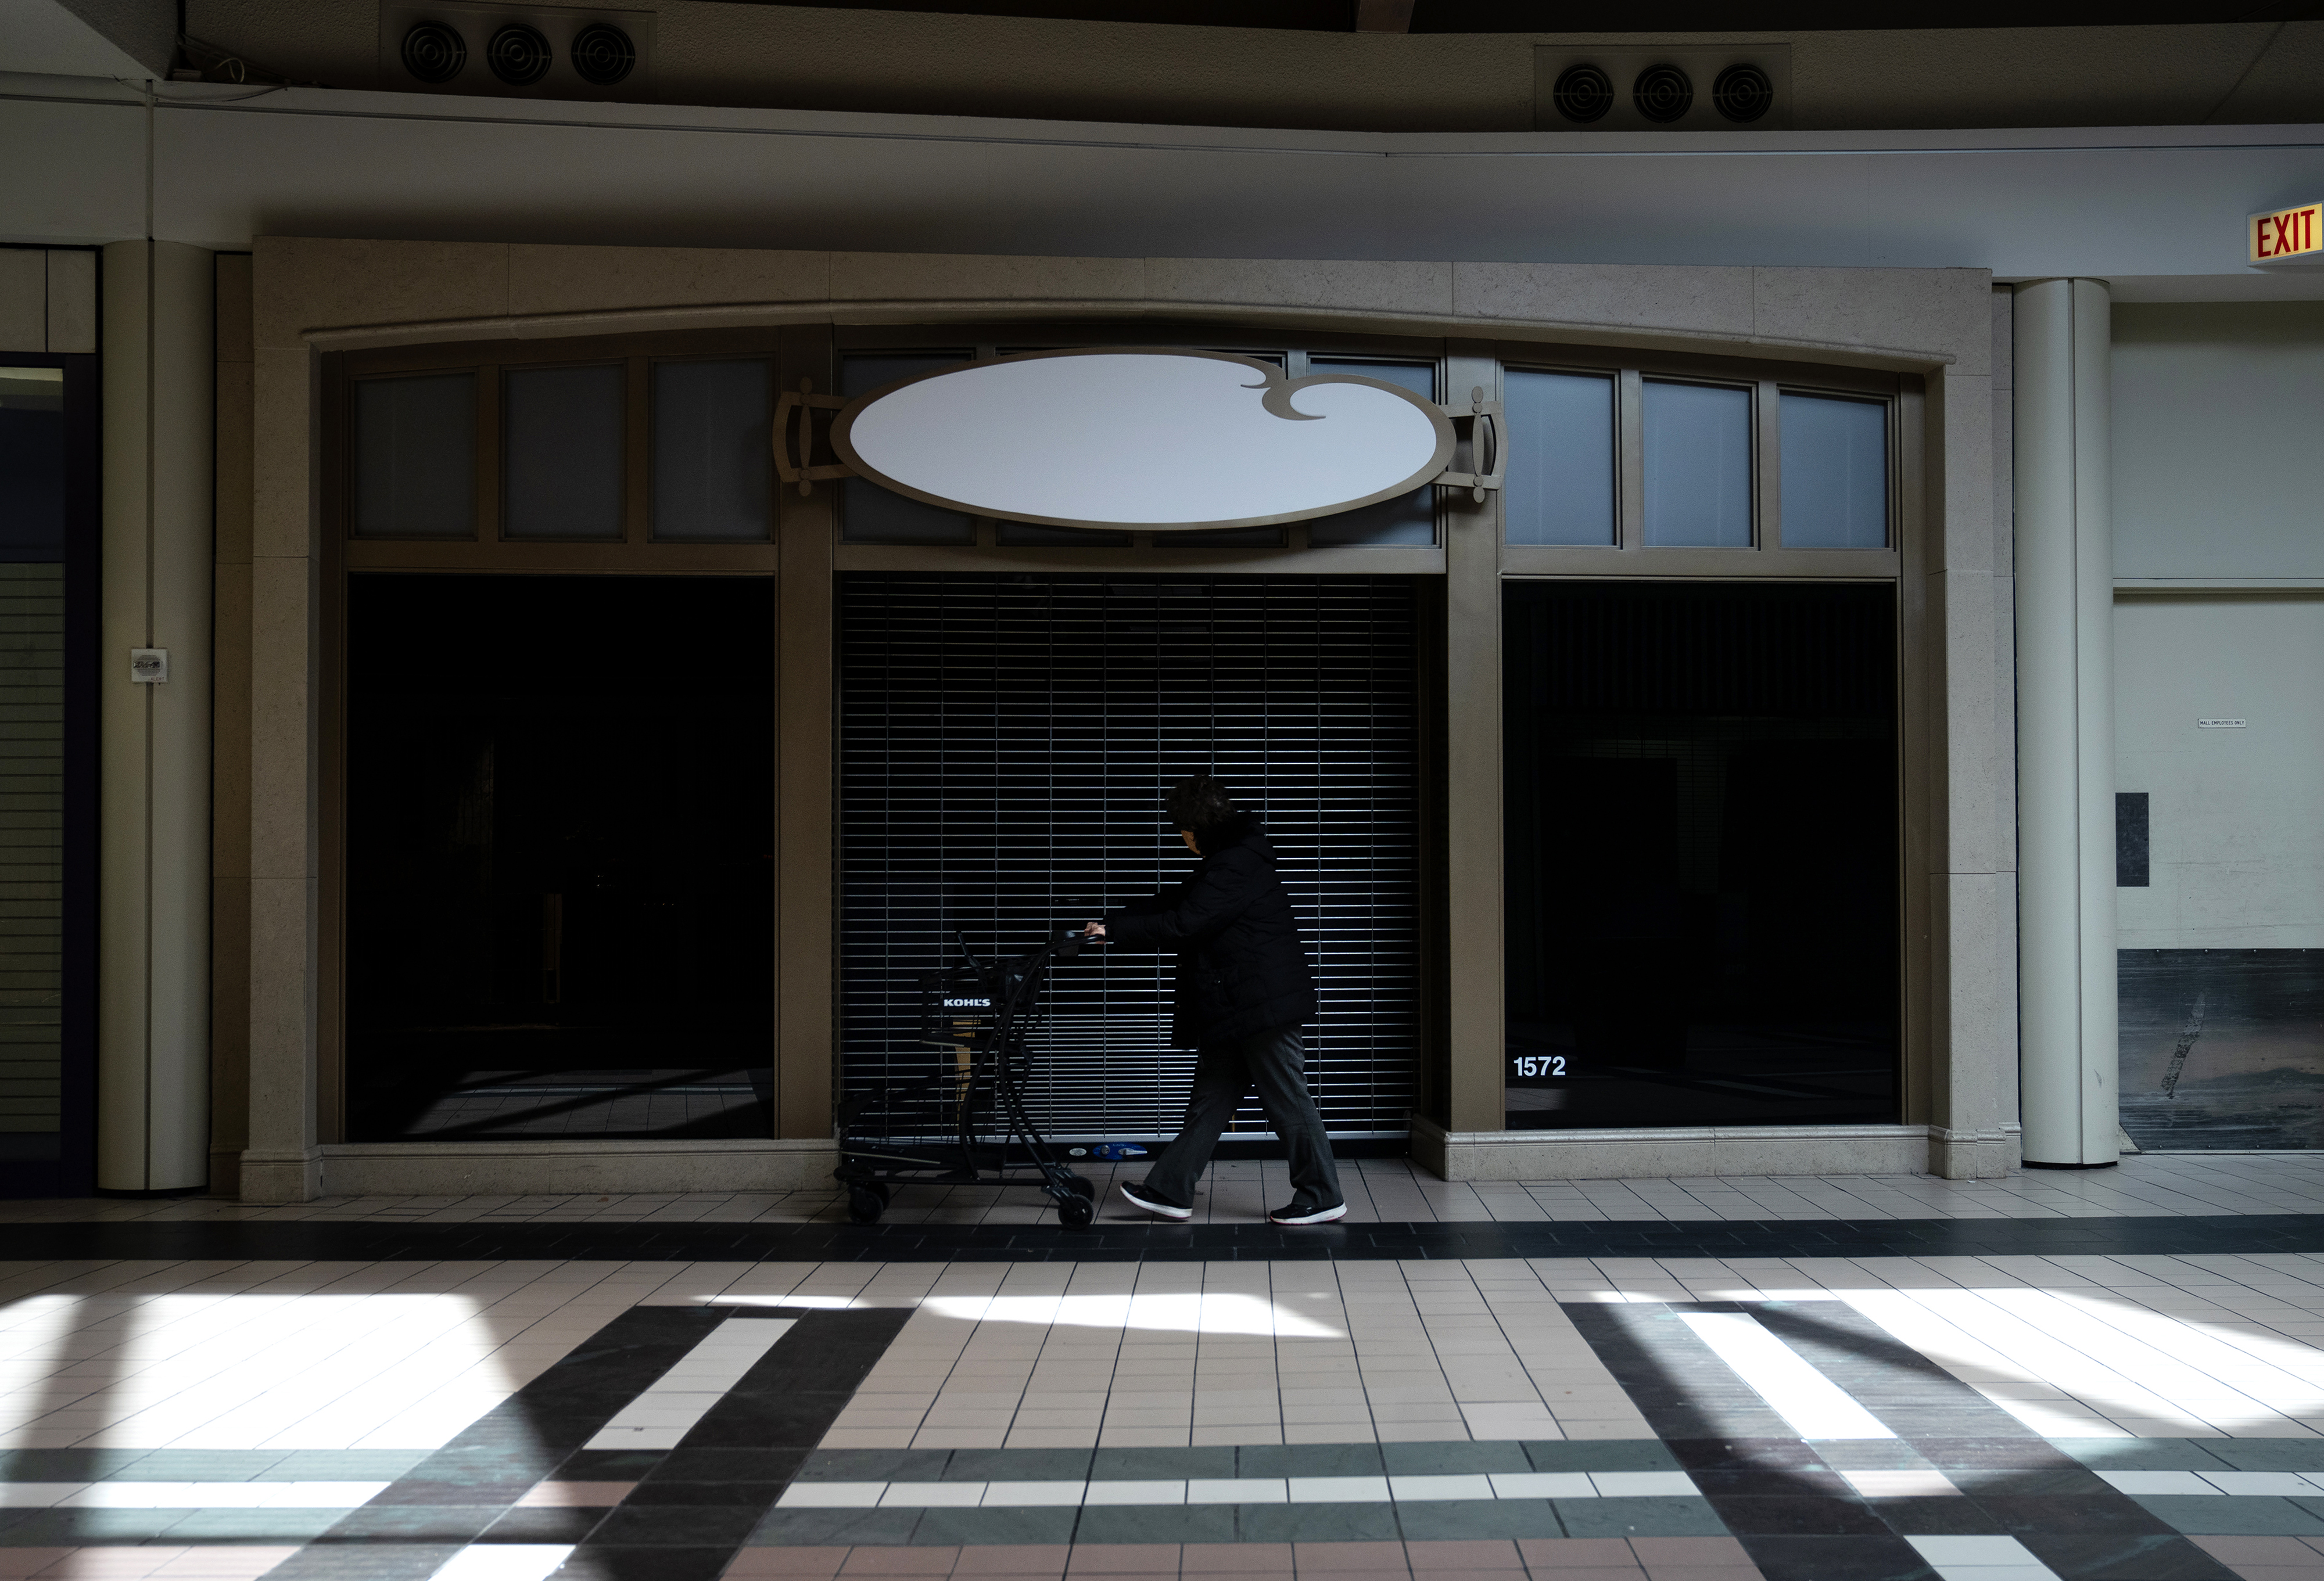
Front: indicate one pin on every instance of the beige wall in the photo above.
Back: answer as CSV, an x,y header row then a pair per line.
x,y
311,297
2217,471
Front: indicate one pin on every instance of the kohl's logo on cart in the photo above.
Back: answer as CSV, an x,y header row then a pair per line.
x,y
968,1004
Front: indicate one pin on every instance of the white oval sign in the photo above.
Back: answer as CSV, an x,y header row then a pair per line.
x,y
1143,439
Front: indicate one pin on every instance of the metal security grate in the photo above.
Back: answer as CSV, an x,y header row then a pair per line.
x,y
32,849
1005,741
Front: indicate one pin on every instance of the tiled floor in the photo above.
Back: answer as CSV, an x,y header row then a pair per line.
x,y
2073,1416
1381,1190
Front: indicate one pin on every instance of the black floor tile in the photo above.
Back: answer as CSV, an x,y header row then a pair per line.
x,y
358,1562
1453,1519
2110,1512
836,1464
753,1466
412,1524
1934,1517
498,1492
2099,1557
1310,1460
609,1465
1157,1524
594,1563
1600,1454
834,1528
543,1526
1771,1482
667,1490
1836,1558
678,1525
1723,1454
1949,1454
2004,1482
1799,1516
1313,1522
1005,1466
1133,1462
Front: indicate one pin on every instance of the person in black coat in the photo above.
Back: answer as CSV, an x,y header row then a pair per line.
x,y
1244,990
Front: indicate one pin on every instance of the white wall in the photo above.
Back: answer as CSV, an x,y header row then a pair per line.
x,y
2218,442
2235,817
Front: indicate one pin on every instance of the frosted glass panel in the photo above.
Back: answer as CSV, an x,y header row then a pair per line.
x,y
1410,520
562,453
870,514
1835,474
1698,491
1561,463
416,457
713,451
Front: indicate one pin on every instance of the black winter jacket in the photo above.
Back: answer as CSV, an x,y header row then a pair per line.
x,y
1242,967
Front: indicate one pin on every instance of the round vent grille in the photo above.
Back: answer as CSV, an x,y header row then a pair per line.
x,y
518,55
603,54
1583,93
1743,93
433,52
1663,94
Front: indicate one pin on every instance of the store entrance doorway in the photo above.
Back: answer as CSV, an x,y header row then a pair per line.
x,y
1702,815
559,837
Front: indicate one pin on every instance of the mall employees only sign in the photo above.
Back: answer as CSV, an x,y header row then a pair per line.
x,y
2286,236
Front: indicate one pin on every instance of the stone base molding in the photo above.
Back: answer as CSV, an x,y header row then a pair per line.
x,y
1660,1152
513,1168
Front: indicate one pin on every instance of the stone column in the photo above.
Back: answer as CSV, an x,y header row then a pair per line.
x,y
154,1043
2065,731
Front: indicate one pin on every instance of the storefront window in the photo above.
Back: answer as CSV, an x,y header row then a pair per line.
x,y
1561,461
1698,485
415,461
713,472
559,892
1835,473
562,453
1700,811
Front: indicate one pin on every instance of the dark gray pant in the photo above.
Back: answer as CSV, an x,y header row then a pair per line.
x,y
1275,1062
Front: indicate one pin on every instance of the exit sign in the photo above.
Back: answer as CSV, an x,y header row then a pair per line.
x,y
2286,236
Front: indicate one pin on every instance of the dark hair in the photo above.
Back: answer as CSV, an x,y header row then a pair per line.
x,y
1199,803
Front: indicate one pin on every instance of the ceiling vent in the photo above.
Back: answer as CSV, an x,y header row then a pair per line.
x,y
1583,94
1743,94
518,55
1697,87
517,51
1663,94
433,52
604,54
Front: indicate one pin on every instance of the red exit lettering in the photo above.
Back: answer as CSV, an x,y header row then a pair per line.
x,y
2276,234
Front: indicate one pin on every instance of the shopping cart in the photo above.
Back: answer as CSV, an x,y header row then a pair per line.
x,y
958,1123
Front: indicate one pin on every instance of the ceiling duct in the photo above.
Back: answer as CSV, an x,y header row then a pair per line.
x,y
516,52
1694,88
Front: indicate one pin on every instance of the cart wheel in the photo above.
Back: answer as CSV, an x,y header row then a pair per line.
x,y
884,1190
864,1205
1081,1187
1075,1212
